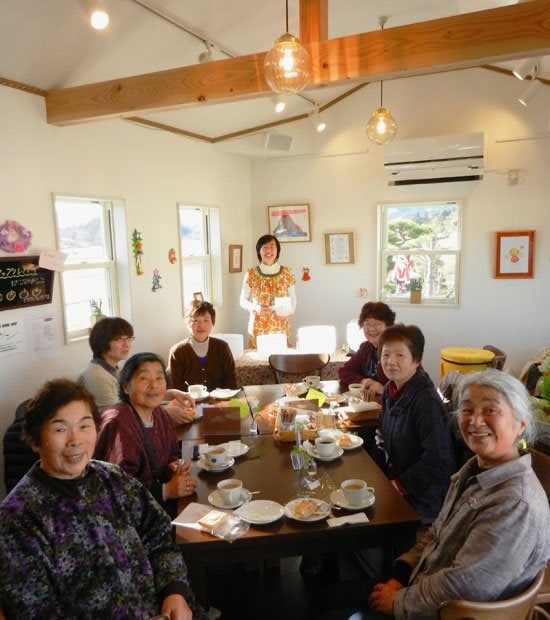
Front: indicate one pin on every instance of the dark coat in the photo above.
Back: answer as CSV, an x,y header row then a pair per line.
x,y
18,456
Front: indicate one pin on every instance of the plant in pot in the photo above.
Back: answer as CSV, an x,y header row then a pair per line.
x,y
415,288
95,310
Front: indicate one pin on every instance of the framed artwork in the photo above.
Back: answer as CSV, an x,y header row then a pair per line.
x,y
235,258
339,249
514,254
289,223
23,283
198,296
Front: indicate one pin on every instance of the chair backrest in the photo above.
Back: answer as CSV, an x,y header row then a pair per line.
x,y
355,335
500,357
271,343
18,456
316,339
519,607
294,367
235,342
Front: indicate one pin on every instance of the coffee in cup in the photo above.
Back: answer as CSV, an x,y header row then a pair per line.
x,y
197,391
356,389
230,490
312,380
356,491
216,456
325,445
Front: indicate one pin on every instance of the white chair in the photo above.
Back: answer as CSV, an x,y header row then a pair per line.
x,y
316,339
355,335
267,344
235,342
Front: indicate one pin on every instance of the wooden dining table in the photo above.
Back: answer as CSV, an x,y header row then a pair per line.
x,y
267,469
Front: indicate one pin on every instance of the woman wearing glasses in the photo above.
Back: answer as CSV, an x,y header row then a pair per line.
x,y
111,342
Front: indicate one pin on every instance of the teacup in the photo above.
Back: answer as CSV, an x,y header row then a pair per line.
x,y
312,380
216,456
325,445
356,491
356,389
230,490
197,391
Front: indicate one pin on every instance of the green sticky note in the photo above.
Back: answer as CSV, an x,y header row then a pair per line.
x,y
243,407
316,395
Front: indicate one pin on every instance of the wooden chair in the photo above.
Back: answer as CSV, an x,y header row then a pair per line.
x,y
292,368
520,607
500,356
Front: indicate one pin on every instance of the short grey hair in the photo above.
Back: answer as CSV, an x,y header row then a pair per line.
x,y
513,391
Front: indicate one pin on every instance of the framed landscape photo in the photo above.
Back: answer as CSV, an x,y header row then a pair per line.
x,y
514,254
339,248
235,258
289,223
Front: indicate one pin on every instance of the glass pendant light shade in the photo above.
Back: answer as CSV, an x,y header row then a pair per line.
x,y
381,127
286,65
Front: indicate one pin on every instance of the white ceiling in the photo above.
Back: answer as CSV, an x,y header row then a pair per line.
x,y
48,44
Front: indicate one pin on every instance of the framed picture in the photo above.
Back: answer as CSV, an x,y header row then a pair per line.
x,y
339,249
289,223
235,258
198,296
514,254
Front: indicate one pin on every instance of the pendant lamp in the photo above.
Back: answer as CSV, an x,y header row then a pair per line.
x,y
286,65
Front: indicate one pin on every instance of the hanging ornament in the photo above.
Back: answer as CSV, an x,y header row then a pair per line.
x,y
172,256
137,245
305,274
156,281
14,237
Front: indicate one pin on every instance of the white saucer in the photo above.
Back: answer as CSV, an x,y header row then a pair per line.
x,y
203,464
215,499
356,441
236,450
337,497
223,393
336,398
260,511
321,513
312,451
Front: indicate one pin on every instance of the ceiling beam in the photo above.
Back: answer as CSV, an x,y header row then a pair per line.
x,y
458,42
313,21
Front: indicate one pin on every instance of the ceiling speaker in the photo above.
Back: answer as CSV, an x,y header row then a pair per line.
x,y
278,142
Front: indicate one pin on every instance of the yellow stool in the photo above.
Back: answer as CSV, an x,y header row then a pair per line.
x,y
465,359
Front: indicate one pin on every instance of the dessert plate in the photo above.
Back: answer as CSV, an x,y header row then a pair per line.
x,y
337,497
260,511
236,450
312,451
204,465
215,499
223,393
356,441
335,398
321,513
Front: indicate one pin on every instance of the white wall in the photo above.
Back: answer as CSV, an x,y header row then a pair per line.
x,y
343,191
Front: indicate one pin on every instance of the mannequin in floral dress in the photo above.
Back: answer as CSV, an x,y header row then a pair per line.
x,y
268,292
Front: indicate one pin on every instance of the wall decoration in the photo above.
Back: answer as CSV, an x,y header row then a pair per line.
x,y
339,249
235,258
23,283
137,245
305,274
514,254
289,222
14,237
172,256
156,281
198,296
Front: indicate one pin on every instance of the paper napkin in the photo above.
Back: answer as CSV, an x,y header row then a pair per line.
x,y
358,517
316,395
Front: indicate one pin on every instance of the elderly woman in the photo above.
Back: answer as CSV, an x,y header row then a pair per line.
x,y
264,288
140,436
364,366
81,538
202,359
111,342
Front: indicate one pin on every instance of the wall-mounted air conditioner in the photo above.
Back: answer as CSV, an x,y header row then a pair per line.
x,y
434,160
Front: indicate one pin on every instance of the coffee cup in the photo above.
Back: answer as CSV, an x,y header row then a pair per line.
x,y
312,381
230,490
325,445
197,391
216,456
356,389
356,491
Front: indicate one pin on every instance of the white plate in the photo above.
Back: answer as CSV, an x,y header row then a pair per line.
x,y
215,499
337,497
356,441
312,451
204,465
322,511
236,450
224,393
260,511
336,398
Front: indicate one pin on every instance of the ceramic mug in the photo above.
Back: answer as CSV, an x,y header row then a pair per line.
x,y
197,391
356,491
356,389
230,490
325,445
216,456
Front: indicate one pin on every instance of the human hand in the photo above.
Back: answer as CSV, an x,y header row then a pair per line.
x,y
373,386
179,397
181,484
176,608
382,597
180,415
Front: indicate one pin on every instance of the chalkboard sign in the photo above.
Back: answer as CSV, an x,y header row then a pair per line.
x,y
23,283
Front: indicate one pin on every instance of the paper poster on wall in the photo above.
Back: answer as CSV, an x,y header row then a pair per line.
x,y
12,338
42,335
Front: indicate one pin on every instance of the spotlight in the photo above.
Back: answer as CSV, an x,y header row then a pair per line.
x,y
99,20
530,93
279,103
206,56
317,120
526,67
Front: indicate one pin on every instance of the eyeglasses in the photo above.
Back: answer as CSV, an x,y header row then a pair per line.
x,y
124,339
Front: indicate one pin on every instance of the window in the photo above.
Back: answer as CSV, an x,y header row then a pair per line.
x,y
420,250
85,231
200,254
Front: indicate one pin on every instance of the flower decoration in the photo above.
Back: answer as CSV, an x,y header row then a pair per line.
x,y
156,281
14,237
137,245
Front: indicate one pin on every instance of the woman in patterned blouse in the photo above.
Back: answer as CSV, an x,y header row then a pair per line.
x,y
268,292
80,538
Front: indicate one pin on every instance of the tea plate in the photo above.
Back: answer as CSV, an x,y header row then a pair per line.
x,y
204,465
223,393
215,499
260,511
321,513
337,497
236,450
356,441
335,398
312,451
